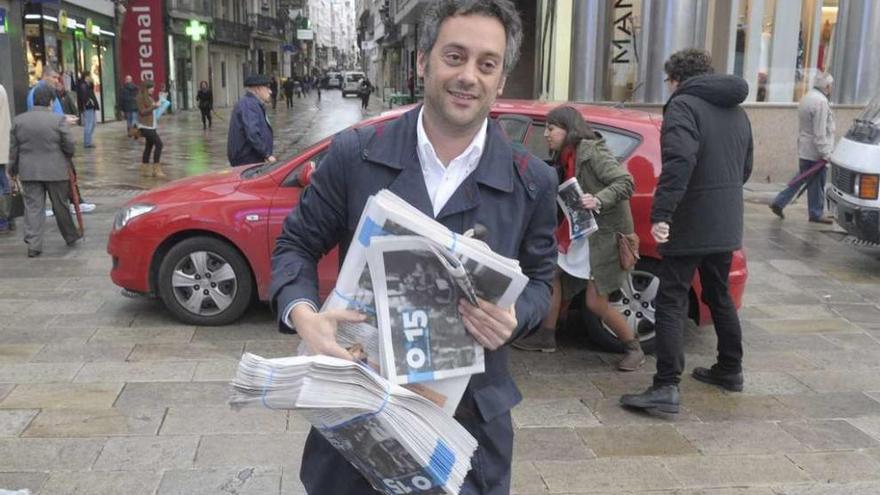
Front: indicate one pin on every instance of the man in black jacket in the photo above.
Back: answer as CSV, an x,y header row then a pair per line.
x,y
697,219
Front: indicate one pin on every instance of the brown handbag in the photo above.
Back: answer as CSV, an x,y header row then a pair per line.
x,y
628,250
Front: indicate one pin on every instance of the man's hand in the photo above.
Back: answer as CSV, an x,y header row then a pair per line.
x,y
490,325
660,231
318,330
589,202
271,159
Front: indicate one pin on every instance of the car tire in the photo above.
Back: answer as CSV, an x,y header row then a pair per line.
x,y
197,261
643,285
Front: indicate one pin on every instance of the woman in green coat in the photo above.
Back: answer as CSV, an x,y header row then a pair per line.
x,y
579,152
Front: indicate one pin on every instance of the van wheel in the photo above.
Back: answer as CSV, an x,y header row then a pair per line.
x,y
204,281
636,302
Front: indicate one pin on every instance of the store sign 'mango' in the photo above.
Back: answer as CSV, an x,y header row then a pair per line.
x,y
143,41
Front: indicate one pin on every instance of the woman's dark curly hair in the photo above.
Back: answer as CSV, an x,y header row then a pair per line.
x,y
576,128
688,63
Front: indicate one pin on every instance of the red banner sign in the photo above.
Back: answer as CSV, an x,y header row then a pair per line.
x,y
143,42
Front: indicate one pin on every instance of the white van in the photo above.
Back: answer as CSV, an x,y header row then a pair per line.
x,y
351,83
852,194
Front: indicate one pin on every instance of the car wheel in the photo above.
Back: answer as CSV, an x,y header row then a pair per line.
x,y
636,302
204,281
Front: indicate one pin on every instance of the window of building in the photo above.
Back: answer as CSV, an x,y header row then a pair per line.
x,y
223,74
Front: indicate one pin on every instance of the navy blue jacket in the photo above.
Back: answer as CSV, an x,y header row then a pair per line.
x,y
511,193
250,134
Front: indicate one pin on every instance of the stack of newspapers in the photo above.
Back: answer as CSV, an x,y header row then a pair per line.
x,y
391,414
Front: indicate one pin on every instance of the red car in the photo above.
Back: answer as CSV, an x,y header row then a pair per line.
x,y
203,244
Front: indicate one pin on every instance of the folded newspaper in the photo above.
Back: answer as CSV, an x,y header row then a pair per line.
x,y
400,441
581,221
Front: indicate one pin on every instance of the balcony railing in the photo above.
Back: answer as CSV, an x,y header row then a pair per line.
x,y
233,33
267,26
198,7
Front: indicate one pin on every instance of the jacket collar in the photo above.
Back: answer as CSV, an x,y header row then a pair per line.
x,y
494,170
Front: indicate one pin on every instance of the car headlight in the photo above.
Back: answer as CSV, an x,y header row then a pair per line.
x,y
126,215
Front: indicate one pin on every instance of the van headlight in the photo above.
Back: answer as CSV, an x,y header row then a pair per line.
x,y
128,214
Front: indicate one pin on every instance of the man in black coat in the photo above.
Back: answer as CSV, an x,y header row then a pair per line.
x,y
697,218
250,137
128,104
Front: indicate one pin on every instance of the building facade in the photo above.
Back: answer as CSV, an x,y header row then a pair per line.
x,y
229,51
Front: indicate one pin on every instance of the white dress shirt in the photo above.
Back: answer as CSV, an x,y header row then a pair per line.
x,y
441,181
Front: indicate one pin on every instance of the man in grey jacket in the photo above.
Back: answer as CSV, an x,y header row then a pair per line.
x,y
39,154
6,224
815,143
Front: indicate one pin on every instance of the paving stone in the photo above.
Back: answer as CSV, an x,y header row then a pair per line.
x,y
14,421
549,444
739,407
733,470
91,321
74,307
869,425
829,435
202,420
605,475
803,312
18,353
48,454
171,394
838,467
94,423
843,360
773,383
259,480
525,479
611,413
636,440
136,372
812,325
839,381
297,424
273,348
615,384
250,450
561,363
101,483
141,335
759,340
825,488
147,453
216,370
242,331
38,372
546,413
67,353
828,406
739,437
795,267
62,396
716,491
290,482
777,361
557,387
867,313
23,481
183,352
5,388
32,333
854,341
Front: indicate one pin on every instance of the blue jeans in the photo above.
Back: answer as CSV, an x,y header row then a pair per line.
x,y
89,124
131,118
815,191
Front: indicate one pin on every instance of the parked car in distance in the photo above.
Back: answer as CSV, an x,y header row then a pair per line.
x,y
334,80
203,244
351,83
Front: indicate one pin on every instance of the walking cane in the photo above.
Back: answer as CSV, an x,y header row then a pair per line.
x,y
74,197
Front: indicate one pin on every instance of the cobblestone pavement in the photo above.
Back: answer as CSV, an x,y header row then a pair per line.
x,y
102,394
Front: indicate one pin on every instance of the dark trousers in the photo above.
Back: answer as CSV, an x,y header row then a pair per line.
x,y
206,117
35,216
676,274
324,471
289,98
153,141
365,100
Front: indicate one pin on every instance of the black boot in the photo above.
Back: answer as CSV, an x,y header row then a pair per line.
x,y
716,376
663,398
544,340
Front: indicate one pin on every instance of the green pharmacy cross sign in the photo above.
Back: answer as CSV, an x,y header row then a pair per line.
x,y
196,30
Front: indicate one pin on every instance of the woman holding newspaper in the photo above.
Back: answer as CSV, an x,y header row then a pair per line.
x,y
588,256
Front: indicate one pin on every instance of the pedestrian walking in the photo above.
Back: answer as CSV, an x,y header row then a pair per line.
x,y
128,104
205,98
89,106
463,170
365,90
39,157
273,85
590,264
288,87
250,134
697,220
148,126
815,144
7,224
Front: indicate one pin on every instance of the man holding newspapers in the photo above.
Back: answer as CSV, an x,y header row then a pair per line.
x,y
450,162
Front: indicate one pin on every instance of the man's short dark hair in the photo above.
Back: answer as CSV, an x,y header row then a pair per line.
x,y
43,96
503,10
688,63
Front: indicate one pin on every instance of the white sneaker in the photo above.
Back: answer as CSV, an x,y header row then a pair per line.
x,y
49,212
84,207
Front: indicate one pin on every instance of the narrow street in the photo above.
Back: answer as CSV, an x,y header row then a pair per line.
x,y
104,394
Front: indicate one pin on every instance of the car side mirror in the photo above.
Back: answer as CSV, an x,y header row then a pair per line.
x,y
304,175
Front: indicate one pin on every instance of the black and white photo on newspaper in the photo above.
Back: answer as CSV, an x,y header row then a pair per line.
x,y
581,221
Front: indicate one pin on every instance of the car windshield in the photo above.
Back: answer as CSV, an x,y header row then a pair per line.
x,y
265,168
872,112
354,77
